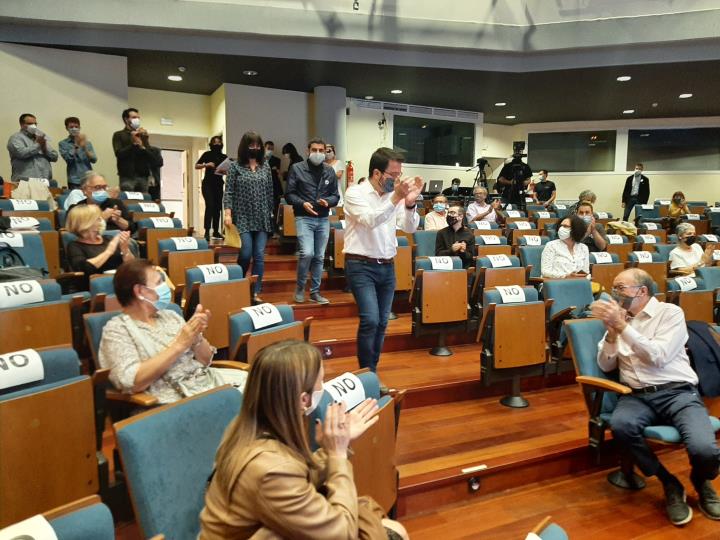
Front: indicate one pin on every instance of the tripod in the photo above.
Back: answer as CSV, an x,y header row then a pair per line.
x,y
480,177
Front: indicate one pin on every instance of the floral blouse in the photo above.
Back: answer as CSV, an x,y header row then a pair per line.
x,y
249,194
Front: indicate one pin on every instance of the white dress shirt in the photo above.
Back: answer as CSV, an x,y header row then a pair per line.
x,y
371,220
475,209
651,349
558,262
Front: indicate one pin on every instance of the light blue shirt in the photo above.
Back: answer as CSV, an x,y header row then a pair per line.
x,y
77,159
74,197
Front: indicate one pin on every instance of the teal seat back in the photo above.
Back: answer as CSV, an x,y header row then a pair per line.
x,y
50,289
30,390
656,257
484,262
59,364
124,196
168,455
553,532
514,225
641,240
241,323
474,225
402,241
535,208
535,214
168,244
532,255
425,264
714,218
43,224
568,292
647,213
147,223
710,276
195,275
91,523
492,296
32,250
480,241
522,241
102,285
613,256
664,251
424,243
673,286
562,213
135,207
6,204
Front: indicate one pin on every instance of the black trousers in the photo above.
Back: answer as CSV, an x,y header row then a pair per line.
x,y
212,192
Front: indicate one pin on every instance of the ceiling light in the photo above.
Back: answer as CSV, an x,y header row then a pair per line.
x,y
629,111
369,97
655,104
424,126
250,72
500,104
396,91
510,117
174,78
182,69
624,78
685,96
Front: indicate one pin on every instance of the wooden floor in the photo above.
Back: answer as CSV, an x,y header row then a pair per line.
x,y
586,506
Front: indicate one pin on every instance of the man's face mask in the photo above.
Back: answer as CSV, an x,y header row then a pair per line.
x,y
73,131
451,219
638,172
31,128
135,123
618,294
388,184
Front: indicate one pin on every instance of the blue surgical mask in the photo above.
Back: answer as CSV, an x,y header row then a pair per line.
x,y
388,184
100,196
587,219
439,207
164,296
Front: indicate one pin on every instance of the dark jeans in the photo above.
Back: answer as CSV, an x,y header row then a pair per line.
x,y
629,205
212,192
312,236
253,247
373,286
679,407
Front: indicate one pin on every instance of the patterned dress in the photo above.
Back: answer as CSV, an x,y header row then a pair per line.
x,y
249,195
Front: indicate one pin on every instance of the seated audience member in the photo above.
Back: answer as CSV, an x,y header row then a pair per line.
x,y
454,189
95,189
678,206
93,253
267,482
595,239
150,348
455,240
567,256
78,153
688,255
436,220
30,151
645,342
544,190
585,196
480,210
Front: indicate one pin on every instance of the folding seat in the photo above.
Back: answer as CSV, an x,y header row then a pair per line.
x,y
374,452
22,224
439,299
696,301
713,215
220,288
181,252
653,264
151,230
530,257
58,363
604,267
168,454
134,196
648,213
483,225
620,245
144,210
531,207
424,242
547,530
645,242
48,447
519,228
654,230
664,250
512,214
255,327
532,240
543,217
403,265
27,208
711,278
494,270
561,210
488,244
699,221
508,311
102,290
82,520
571,298
600,391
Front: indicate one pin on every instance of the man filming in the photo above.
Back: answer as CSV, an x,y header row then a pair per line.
x,y
515,177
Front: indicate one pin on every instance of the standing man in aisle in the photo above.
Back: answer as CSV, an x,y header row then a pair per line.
x,y
30,151
637,190
312,189
212,186
132,150
77,152
373,210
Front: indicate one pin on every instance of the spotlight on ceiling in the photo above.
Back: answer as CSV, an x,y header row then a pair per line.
x,y
250,72
685,96
369,97
174,78
500,104
510,117
182,69
629,111
396,91
624,78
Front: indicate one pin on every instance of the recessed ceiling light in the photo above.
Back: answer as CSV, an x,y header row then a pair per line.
x,y
250,72
655,104
510,117
500,104
396,91
424,126
629,111
685,96
182,69
369,97
624,78
174,78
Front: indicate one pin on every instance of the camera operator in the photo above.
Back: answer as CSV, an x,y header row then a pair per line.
x,y
515,177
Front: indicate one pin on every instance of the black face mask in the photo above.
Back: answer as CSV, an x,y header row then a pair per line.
x,y
690,240
254,153
451,220
677,200
216,147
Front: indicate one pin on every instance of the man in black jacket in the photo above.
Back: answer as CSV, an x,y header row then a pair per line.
x,y
312,189
455,240
637,190
132,150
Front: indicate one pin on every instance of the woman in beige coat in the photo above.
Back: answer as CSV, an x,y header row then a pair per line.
x,y
268,484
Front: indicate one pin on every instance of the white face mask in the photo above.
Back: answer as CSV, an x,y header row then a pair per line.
x,y
31,128
316,158
564,233
638,172
314,401
135,123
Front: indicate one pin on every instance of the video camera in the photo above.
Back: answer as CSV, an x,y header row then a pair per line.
x,y
519,149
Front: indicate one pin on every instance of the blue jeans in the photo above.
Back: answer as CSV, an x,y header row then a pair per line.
x,y
253,247
312,235
678,407
373,286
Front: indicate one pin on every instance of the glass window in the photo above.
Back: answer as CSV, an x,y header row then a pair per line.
x,y
696,149
431,141
574,151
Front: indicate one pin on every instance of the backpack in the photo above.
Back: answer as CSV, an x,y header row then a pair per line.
x,y
13,267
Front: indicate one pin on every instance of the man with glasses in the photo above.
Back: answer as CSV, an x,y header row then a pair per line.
x,y
94,190
373,210
645,341
455,240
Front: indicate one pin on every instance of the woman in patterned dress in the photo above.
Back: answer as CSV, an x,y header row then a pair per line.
x,y
248,204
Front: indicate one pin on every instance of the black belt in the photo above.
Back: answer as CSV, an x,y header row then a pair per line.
x,y
352,256
658,387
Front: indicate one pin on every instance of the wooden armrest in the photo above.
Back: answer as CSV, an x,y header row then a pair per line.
x,y
536,280
101,376
540,527
142,399
230,364
563,314
306,327
603,384
70,275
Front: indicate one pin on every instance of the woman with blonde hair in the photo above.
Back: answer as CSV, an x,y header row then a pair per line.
x,y
267,481
93,253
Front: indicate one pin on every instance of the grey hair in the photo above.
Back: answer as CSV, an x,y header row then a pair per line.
x,y
642,278
89,176
683,227
480,188
587,195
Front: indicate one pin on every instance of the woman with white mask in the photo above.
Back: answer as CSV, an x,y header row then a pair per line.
x,y
567,256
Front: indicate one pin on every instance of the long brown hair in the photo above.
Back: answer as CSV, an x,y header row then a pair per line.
x,y
280,373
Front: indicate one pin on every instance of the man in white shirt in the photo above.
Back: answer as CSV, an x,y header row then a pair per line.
x,y
645,341
480,210
373,210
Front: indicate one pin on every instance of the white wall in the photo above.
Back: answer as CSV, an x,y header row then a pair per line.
x,y
364,137
218,112
54,84
189,113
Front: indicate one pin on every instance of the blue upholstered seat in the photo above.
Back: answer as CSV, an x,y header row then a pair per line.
x,y
32,251
168,244
7,204
59,364
424,243
135,207
553,532
50,289
614,259
93,522
568,292
124,196
195,275
664,250
656,257
523,240
474,225
513,225
425,264
168,454
149,224
492,296
480,240
531,255
241,323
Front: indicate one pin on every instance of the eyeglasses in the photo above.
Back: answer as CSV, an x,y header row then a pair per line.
x,y
453,213
98,188
621,288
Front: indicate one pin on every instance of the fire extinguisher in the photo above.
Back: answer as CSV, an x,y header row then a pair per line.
x,y
350,171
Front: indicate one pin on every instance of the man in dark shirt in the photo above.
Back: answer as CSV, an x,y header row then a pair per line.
x,y
212,186
514,178
636,190
116,216
131,150
596,239
455,240
545,190
312,189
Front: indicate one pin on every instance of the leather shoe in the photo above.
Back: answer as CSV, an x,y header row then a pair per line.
x,y
676,506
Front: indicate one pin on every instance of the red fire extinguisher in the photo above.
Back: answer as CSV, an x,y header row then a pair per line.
x,y
350,171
